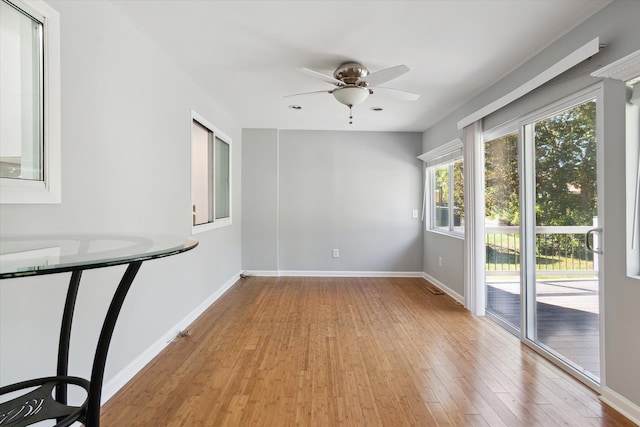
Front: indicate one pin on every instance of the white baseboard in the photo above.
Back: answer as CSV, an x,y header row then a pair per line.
x,y
305,273
125,375
262,273
300,273
453,294
621,404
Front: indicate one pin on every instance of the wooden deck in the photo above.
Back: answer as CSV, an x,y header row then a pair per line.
x,y
350,352
567,316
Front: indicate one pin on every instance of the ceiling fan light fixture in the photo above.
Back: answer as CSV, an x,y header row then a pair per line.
x,y
351,95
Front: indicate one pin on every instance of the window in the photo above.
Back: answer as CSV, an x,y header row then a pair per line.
x,y
210,176
444,188
29,103
627,69
447,195
440,193
632,151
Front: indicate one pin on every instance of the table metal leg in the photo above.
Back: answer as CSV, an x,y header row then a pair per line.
x,y
65,334
92,418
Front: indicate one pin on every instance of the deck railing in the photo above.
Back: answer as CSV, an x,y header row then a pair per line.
x,y
560,251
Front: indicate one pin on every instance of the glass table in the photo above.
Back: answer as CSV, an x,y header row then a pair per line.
x,y
22,256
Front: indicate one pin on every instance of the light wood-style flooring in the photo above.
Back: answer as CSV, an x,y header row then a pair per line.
x,y
350,352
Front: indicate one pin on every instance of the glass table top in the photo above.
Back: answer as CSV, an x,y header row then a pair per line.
x,y
24,255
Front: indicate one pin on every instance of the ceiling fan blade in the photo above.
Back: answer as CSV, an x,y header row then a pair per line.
x,y
385,75
402,95
321,76
308,93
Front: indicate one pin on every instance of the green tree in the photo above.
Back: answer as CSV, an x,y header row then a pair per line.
x,y
458,192
502,180
442,196
565,176
565,147
566,167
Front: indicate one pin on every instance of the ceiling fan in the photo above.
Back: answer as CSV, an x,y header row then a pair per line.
x,y
354,83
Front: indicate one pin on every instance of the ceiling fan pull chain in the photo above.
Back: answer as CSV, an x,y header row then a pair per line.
x,y
350,115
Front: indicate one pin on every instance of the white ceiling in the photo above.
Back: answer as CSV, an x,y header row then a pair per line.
x,y
245,54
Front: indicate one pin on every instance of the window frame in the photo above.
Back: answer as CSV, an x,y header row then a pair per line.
x,y
627,70
213,223
451,228
48,190
445,155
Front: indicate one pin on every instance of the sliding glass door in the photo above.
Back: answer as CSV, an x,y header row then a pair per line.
x,y
562,281
542,235
502,229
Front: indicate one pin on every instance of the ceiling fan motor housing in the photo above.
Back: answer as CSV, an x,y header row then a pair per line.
x,y
350,73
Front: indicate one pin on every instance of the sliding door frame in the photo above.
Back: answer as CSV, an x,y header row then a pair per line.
x,y
490,135
475,248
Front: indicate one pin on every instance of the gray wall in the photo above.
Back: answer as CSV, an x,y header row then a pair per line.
x,y
260,199
125,167
617,26
353,191
451,272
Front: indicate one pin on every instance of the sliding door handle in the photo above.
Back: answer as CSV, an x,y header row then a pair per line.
x,y
589,240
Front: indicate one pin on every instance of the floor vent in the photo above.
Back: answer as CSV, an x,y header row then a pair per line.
x,y
435,290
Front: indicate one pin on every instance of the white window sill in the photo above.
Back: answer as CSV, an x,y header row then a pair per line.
x,y
17,191
196,229
447,233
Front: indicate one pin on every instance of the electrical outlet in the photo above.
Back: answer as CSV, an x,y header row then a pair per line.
x,y
439,261
336,253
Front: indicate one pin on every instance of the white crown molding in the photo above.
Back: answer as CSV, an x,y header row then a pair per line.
x,y
624,69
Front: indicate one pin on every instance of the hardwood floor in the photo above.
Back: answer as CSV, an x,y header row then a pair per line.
x,y
350,352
